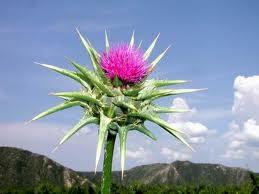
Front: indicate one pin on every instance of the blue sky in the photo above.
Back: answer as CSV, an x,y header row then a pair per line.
x,y
214,43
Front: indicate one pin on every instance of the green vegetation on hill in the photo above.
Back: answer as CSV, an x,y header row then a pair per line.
x,y
138,188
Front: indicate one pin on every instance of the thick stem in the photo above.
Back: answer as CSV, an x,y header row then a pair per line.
x,y
107,164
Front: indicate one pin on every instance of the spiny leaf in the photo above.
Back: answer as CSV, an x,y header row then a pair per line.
x,y
133,91
79,96
140,43
104,123
179,137
57,108
107,46
88,48
123,104
160,109
132,40
155,119
150,48
123,131
93,78
83,122
154,94
161,83
153,63
94,56
141,128
67,73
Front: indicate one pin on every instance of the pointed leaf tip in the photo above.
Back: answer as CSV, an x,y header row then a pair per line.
x,y
86,119
55,149
140,43
154,63
27,122
56,108
106,41
132,39
37,63
123,131
150,48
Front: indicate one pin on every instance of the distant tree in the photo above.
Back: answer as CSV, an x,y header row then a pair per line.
x,y
45,188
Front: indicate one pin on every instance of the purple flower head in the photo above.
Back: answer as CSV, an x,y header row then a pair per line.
x,y
125,62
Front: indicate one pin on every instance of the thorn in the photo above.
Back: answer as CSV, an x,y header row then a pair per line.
x,y
55,149
133,33
51,94
28,122
37,63
202,89
192,149
77,30
122,174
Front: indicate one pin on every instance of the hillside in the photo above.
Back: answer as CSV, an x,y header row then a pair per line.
x,y
20,168
180,172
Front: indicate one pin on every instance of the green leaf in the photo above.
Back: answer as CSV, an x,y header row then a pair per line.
x,y
150,48
79,96
83,122
161,83
67,73
107,46
154,94
116,82
57,108
123,131
179,137
141,128
92,77
153,63
159,109
132,91
94,56
124,104
132,40
104,123
155,119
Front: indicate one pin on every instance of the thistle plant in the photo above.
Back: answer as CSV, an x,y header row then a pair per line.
x,y
118,96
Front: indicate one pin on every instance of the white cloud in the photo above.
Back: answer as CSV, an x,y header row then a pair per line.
x,y
251,130
234,154
246,95
180,103
141,155
243,133
183,121
236,144
174,155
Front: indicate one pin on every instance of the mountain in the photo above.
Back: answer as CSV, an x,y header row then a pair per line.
x,y
20,169
180,172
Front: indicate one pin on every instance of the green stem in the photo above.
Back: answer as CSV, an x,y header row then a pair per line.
x,y
107,164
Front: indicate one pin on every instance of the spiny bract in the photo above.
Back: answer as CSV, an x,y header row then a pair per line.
x,y
114,106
